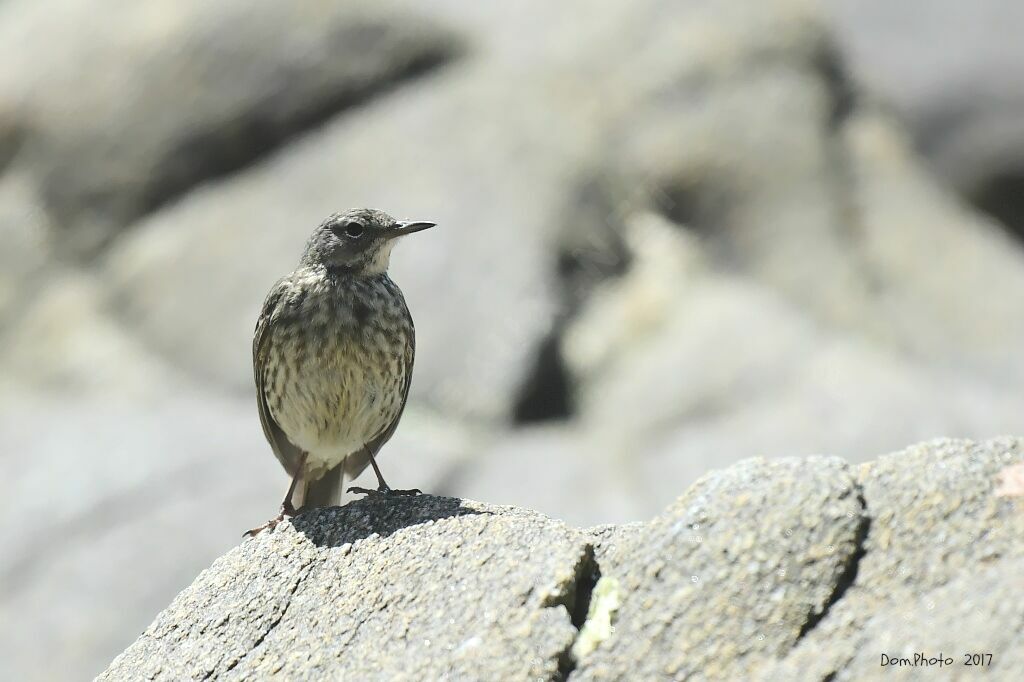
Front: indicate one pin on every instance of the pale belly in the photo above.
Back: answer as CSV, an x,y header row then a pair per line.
x,y
334,398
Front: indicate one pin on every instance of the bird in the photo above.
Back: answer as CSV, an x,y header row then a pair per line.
x,y
332,356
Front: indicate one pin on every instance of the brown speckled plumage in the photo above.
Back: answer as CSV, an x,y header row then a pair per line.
x,y
333,354
338,360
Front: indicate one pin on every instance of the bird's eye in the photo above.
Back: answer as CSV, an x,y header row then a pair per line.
x,y
353,229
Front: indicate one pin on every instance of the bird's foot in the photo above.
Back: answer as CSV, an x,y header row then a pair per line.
x,y
385,492
287,511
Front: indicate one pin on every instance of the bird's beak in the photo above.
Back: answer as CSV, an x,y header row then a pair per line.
x,y
409,226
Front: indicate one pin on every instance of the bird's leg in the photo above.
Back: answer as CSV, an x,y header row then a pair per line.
x,y
287,508
382,487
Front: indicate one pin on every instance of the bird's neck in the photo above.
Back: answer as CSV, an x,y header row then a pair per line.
x,y
350,273
368,264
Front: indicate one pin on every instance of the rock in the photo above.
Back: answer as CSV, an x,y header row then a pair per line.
x,y
367,590
122,497
64,339
732,573
768,271
180,92
988,620
957,80
940,544
857,252
792,569
949,306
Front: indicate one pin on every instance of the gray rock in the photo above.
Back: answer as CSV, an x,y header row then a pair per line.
x,y
423,588
64,339
940,544
179,92
983,604
845,228
792,569
950,306
953,72
731,574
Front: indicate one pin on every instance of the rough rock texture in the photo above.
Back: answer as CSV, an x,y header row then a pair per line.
x,y
791,569
941,550
388,589
732,573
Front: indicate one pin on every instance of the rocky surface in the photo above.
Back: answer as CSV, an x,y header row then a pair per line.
x,y
787,569
941,549
672,236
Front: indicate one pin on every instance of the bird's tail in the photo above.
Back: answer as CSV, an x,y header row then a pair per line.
x,y
327,490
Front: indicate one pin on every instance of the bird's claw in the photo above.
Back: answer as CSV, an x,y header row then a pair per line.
x,y
287,511
269,525
385,492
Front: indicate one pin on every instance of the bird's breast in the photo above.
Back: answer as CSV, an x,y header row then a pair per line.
x,y
337,366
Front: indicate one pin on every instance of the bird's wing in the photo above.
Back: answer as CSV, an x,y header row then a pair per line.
x,y
286,453
357,461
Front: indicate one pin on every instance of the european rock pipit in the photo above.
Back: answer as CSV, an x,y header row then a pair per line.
x,y
332,355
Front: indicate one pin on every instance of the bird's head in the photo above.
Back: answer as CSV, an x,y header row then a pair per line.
x,y
358,242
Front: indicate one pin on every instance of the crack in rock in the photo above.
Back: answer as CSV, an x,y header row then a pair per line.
x,y
299,580
574,596
848,576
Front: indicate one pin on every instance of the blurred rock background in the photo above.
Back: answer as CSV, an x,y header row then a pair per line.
x,y
672,236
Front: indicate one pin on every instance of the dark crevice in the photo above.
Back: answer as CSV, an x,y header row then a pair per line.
x,y
586,581
590,251
546,395
700,207
576,600
842,94
680,203
849,574
1001,195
